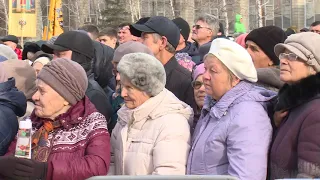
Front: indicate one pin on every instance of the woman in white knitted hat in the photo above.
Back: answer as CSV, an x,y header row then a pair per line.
x,y
295,152
152,136
233,134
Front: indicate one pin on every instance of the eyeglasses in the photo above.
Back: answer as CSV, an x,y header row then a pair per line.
x,y
196,84
197,26
290,56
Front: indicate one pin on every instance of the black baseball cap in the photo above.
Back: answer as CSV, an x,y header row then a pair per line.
x,y
73,41
135,32
162,26
11,38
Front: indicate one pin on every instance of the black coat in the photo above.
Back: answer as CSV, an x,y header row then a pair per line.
x,y
13,103
102,65
179,82
98,97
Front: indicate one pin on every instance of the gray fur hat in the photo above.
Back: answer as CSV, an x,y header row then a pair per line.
x,y
144,71
7,52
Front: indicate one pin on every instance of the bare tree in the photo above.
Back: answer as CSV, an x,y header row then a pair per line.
x,y
5,17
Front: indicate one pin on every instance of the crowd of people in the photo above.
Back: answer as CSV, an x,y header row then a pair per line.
x,y
160,98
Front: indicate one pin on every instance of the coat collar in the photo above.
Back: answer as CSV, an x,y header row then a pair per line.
x,y
171,65
293,95
219,108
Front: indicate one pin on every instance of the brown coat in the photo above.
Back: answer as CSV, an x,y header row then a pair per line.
x,y
295,152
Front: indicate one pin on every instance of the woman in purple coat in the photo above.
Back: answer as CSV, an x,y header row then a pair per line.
x,y
233,134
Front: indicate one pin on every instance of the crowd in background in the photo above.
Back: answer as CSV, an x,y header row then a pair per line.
x,y
161,97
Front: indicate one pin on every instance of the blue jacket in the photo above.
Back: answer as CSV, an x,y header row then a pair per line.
x,y
233,135
13,103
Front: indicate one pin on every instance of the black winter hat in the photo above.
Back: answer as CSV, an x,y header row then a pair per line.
x,y
72,40
266,38
162,26
183,26
11,38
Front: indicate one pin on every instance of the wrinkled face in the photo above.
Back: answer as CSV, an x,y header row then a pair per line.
x,y
132,96
199,91
260,59
151,43
201,31
216,79
11,44
37,67
315,29
109,41
62,54
48,103
292,68
124,34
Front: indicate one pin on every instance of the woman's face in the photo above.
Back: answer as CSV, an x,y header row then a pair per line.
x,y
217,80
292,68
37,67
199,91
48,103
132,96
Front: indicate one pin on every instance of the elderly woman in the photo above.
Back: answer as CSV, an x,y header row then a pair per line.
x,y
146,140
199,91
71,140
233,134
295,152
39,63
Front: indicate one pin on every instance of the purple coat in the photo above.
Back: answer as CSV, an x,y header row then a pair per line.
x,y
233,135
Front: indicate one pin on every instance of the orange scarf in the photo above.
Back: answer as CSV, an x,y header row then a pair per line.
x,y
44,131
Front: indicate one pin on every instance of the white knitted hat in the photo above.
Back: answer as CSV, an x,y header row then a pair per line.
x,y
235,57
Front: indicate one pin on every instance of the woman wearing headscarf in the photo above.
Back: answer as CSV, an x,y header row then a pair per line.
x,y
199,91
295,152
152,136
12,104
70,139
233,133
39,63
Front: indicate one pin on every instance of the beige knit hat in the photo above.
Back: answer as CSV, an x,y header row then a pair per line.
x,y
305,45
66,77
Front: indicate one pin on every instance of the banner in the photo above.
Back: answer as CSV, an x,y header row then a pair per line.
x,y
22,18
55,20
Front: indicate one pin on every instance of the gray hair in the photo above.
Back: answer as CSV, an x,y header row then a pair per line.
x,y
168,47
144,71
212,21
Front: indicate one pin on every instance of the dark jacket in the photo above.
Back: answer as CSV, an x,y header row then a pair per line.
x,y
179,82
102,65
192,51
98,97
13,103
295,152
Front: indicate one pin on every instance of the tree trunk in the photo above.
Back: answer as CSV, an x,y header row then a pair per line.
x,y
172,9
5,12
260,15
225,16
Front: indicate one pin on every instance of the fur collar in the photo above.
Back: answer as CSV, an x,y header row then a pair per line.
x,y
293,95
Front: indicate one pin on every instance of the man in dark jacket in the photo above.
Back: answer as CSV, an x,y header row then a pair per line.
x,y
13,103
78,47
184,45
162,36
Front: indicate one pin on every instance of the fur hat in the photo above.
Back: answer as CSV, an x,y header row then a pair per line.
x,y
144,71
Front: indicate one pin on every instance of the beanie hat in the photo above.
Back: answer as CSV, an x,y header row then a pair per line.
x,y
42,60
199,70
24,75
66,77
266,38
305,45
235,58
7,52
183,27
130,47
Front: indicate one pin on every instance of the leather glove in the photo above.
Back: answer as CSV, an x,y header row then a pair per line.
x,y
20,168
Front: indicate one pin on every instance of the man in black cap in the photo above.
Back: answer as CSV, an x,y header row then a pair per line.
x,y
184,45
162,36
78,46
12,41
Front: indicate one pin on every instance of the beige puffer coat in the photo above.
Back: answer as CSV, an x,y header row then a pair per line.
x,y
153,139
